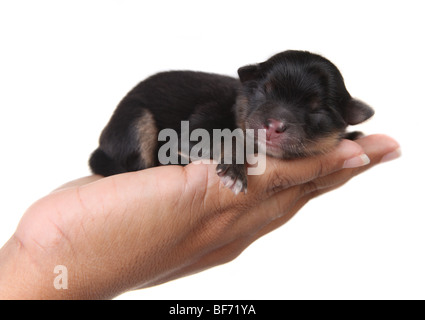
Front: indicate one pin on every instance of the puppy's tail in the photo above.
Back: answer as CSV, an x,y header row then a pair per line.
x,y
101,163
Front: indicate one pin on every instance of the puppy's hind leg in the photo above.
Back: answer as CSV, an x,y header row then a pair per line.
x,y
124,147
147,133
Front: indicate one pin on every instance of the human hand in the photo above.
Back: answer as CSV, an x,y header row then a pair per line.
x,y
144,228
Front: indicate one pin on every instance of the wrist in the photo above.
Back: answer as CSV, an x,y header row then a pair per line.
x,y
28,274
43,260
20,278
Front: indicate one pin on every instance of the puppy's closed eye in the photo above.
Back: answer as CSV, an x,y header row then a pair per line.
x,y
320,120
314,104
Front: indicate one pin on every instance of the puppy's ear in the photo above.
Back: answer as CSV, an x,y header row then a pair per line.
x,y
357,111
249,73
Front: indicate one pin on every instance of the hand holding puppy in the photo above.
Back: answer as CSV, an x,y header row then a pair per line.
x,y
140,229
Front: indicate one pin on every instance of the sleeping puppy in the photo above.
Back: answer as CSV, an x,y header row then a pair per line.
x,y
298,100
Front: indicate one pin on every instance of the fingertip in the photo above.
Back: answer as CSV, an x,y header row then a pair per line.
x,y
380,147
391,155
355,162
381,139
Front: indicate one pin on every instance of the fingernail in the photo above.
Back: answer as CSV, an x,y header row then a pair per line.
x,y
355,162
391,156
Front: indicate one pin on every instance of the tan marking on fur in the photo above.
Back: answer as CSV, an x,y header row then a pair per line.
x,y
148,138
324,145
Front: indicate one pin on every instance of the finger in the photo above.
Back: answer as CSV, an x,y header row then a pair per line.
x,y
282,174
279,208
285,175
377,148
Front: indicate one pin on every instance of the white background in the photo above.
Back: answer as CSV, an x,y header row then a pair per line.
x,y
64,66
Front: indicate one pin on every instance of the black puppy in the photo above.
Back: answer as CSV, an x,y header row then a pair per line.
x,y
297,97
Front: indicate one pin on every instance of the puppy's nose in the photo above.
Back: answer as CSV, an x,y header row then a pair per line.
x,y
276,125
274,128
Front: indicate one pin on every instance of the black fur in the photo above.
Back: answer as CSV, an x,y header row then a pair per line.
x,y
298,97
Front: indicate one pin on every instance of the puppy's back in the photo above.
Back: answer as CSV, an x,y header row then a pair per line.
x,y
129,141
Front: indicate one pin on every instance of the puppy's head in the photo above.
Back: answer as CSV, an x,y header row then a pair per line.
x,y
300,99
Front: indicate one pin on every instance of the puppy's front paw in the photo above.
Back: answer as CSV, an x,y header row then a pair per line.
x,y
233,176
